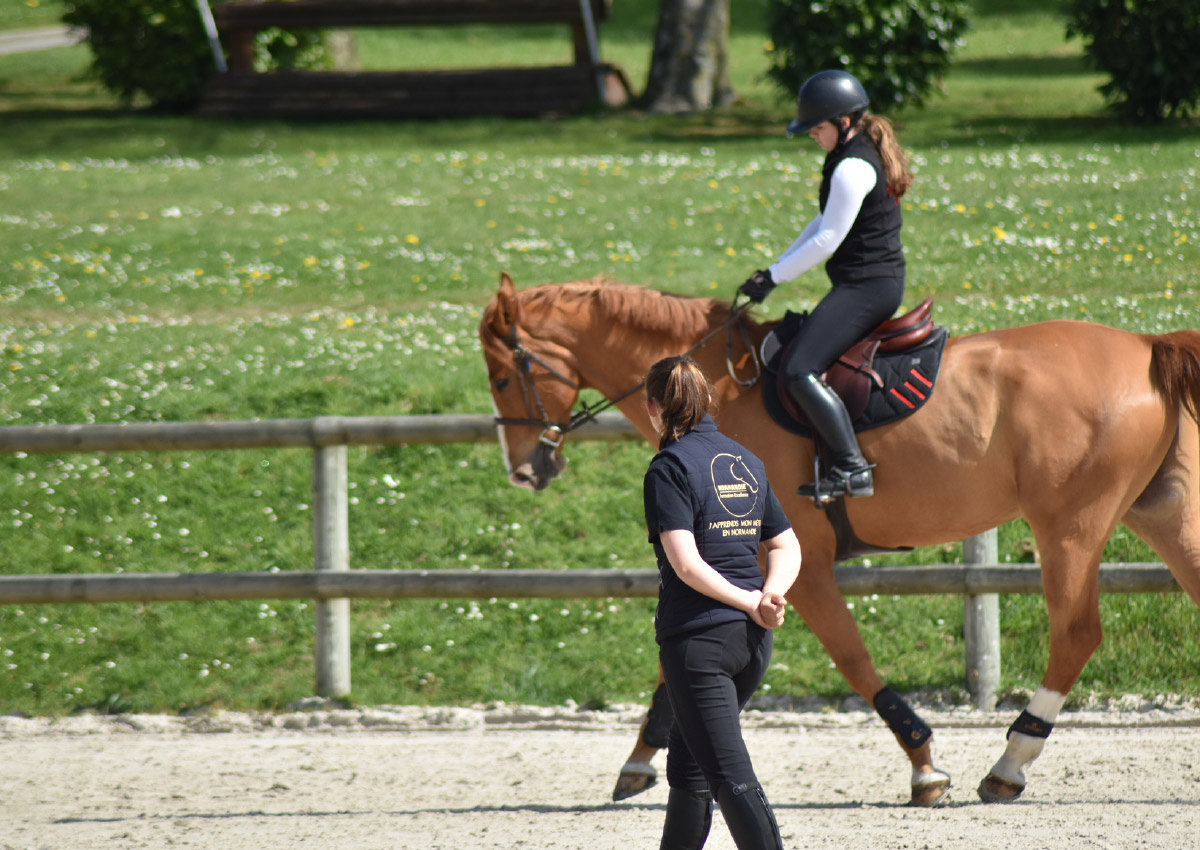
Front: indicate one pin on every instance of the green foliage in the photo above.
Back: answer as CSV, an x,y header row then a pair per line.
x,y
898,49
155,48
158,49
1148,49
300,48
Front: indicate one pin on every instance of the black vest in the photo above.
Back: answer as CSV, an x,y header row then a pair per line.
x,y
729,491
872,247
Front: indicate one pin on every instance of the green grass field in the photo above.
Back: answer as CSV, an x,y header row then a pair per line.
x,y
165,268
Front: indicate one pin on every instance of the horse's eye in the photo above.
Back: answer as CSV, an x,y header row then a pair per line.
x,y
500,384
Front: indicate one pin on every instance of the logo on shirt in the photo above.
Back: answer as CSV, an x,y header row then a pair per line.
x,y
736,487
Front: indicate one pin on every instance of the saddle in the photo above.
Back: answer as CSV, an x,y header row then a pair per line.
x,y
884,377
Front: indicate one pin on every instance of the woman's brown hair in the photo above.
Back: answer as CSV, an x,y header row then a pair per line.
x,y
681,391
895,158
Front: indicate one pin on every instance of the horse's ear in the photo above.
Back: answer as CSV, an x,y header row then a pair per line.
x,y
507,310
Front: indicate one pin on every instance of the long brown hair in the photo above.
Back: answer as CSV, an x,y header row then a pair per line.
x,y
895,158
682,392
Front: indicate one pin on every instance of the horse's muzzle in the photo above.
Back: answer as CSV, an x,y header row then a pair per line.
x,y
543,466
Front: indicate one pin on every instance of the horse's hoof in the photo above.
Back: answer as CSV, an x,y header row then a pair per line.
x,y
635,778
993,789
931,795
927,795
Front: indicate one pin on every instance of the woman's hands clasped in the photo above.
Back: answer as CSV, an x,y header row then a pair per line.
x,y
769,611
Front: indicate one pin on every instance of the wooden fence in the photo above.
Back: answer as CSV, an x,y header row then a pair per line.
x,y
331,582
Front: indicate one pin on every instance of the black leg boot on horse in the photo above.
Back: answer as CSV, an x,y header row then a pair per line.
x,y
689,817
848,474
749,817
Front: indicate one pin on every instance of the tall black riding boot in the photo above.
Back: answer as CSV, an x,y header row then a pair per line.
x,y
689,816
749,817
849,473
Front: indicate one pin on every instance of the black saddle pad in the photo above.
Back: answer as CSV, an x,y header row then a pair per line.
x,y
909,379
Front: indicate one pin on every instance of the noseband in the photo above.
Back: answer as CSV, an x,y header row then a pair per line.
x,y
553,433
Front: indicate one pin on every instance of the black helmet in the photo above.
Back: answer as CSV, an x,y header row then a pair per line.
x,y
825,96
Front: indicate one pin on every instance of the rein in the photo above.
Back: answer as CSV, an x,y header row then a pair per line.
x,y
553,433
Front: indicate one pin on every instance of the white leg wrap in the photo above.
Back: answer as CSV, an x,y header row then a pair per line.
x,y
1023,749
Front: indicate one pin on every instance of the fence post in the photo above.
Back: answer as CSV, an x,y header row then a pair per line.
x,y
331,551
981,625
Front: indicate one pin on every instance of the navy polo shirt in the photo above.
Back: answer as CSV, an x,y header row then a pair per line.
x,y
714,487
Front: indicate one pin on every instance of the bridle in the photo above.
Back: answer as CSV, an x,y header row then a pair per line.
x,y
553,433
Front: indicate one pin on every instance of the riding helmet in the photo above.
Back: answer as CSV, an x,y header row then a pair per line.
x,y
825,96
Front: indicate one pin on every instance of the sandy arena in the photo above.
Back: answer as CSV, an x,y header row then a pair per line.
x,y
505,777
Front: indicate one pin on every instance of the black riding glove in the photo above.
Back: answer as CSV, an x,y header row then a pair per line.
x,y
758,286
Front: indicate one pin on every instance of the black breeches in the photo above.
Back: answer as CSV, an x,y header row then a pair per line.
x,y
847,313
710,676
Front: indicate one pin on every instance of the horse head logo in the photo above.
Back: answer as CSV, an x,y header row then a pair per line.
x,y
736,487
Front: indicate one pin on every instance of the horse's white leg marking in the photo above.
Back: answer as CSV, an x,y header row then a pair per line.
x,y
932,777
1023,749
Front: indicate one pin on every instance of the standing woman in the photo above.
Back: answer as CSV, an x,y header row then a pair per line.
x,y
857,235
708,507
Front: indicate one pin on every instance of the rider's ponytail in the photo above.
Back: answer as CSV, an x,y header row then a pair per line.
x,y
681,391
895,158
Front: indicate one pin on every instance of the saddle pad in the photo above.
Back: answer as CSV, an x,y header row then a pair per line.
x,y
909,378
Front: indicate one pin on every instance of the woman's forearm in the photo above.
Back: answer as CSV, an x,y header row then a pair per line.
x,y
698,574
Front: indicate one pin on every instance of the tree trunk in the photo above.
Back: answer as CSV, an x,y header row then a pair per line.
x,y
689,69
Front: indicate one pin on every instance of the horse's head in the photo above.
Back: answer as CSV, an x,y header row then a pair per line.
x,y
534,386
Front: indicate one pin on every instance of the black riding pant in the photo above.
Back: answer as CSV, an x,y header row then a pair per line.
x,y
710,675
847,313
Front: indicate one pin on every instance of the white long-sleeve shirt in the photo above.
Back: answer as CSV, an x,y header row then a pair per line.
x,y
849,184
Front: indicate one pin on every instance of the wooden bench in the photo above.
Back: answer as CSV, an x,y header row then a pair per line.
x,y
524,91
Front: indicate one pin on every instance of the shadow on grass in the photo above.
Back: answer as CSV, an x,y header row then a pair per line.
x,y
1039,67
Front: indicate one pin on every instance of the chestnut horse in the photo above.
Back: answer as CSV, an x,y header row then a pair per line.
x,y
1074,426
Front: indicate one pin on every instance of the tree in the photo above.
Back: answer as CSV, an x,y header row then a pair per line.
x,y
689,68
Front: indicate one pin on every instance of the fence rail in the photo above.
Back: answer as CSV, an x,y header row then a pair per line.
x,y
318,432
332,583
942,579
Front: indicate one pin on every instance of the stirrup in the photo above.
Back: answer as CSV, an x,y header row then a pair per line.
x,y
854,483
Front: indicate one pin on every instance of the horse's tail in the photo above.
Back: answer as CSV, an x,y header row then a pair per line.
x,y
1175,370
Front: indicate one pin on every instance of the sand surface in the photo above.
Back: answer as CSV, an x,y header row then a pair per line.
x,y
510,777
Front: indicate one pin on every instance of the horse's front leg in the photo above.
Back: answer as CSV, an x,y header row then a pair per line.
x,y
637,774
1072,604
816,598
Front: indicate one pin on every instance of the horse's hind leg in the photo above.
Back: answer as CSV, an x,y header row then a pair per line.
x,y
816,598
1167,513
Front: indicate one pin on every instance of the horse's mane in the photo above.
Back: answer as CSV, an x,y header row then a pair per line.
x,y
632,306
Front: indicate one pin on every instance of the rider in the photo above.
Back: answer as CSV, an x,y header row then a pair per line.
x,y
857,234
708,507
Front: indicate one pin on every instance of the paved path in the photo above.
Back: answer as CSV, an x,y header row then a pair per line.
x,y
43,38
